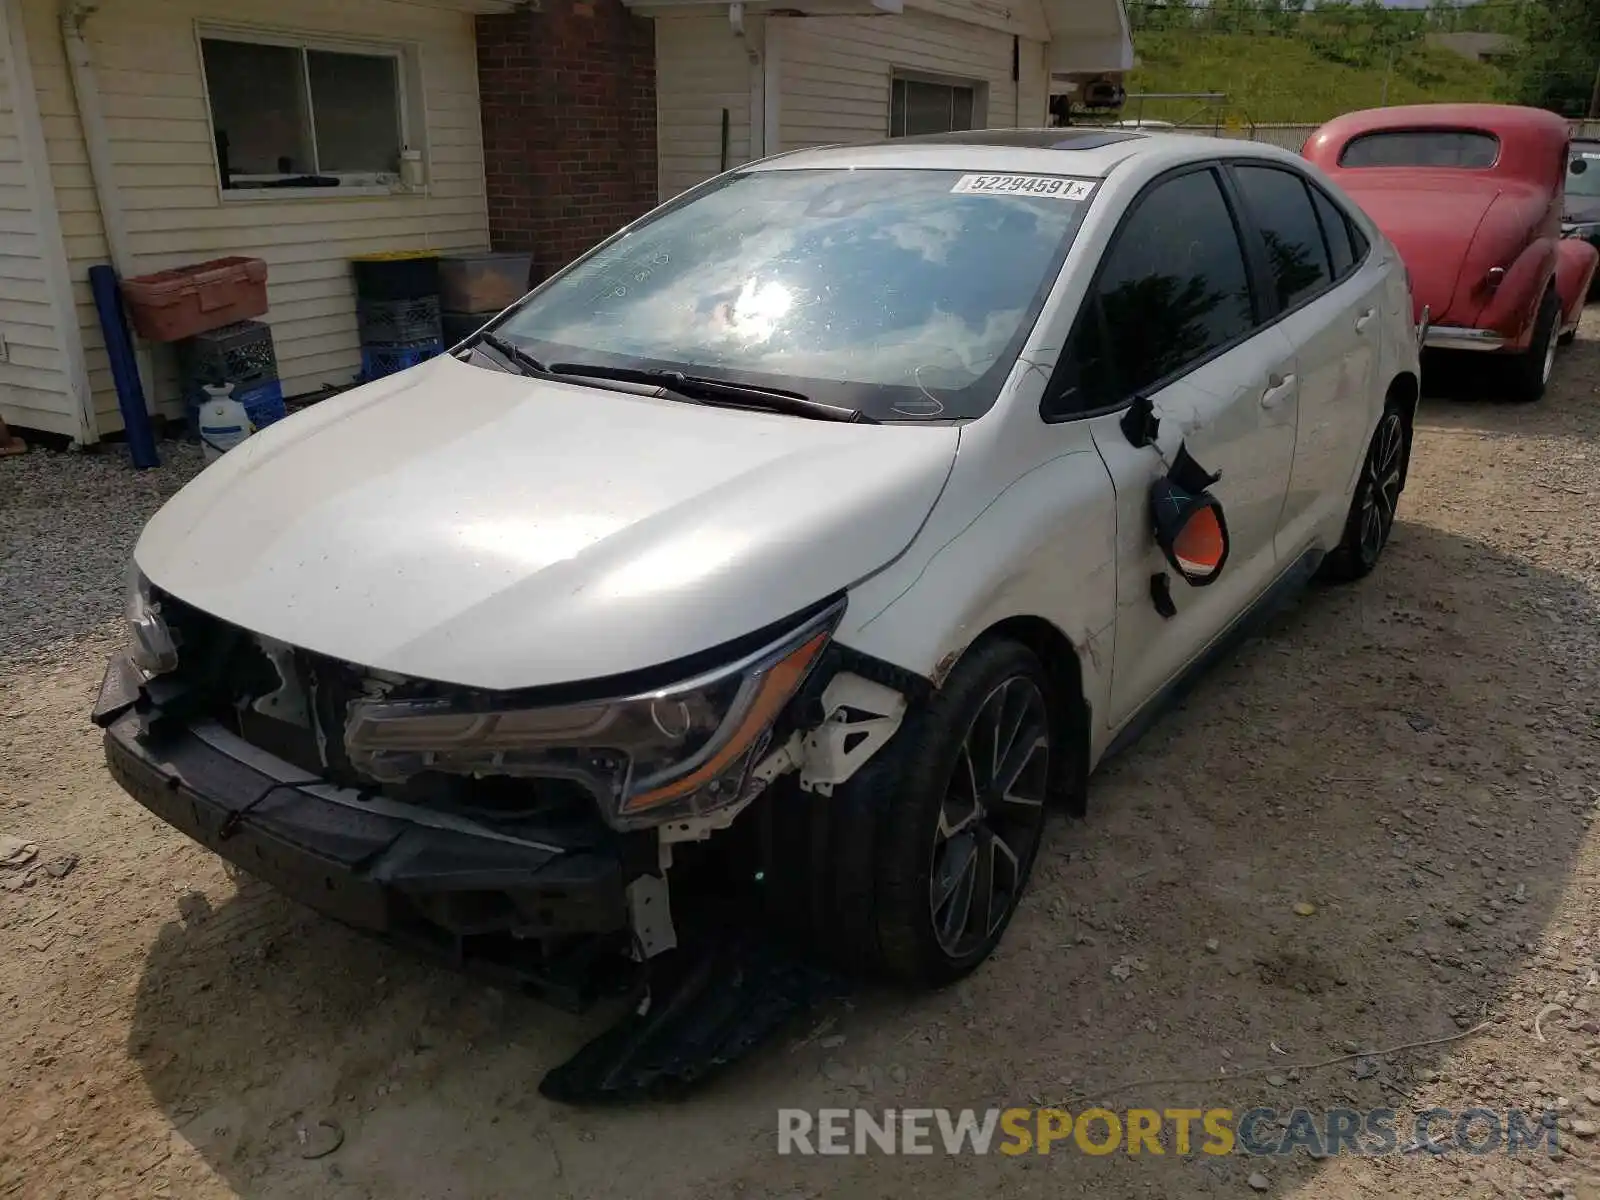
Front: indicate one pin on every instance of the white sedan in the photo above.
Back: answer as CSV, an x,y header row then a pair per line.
x,y
790,554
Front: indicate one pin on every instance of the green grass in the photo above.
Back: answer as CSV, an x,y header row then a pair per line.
x,y
1295,78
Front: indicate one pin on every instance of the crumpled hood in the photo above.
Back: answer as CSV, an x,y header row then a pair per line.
x,y
479,528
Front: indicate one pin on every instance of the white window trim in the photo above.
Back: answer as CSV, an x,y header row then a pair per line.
x,y
408,75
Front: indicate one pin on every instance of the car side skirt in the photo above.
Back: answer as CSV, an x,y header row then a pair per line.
x,y
1268,603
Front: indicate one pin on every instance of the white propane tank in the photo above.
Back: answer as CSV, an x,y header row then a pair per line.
x,y
223,421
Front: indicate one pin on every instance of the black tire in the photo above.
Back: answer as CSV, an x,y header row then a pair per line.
x,y
1372,508
1528,373
853,874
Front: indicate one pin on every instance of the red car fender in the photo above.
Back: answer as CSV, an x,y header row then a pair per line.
x,y
1514,305
1576,261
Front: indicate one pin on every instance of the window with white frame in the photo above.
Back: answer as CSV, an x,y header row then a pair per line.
x,y
918,106
302,114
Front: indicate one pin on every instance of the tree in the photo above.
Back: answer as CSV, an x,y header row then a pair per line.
x,y
1560,55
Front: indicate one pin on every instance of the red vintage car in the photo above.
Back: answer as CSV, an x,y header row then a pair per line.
x,y
1471,194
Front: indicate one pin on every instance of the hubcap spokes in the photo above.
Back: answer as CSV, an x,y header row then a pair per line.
x,y
1549,357
991,816
1384,461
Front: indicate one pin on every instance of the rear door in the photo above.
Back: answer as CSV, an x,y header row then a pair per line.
x,y
1328,306
1175,314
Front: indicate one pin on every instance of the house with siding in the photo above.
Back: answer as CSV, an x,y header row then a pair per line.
x,y
151,134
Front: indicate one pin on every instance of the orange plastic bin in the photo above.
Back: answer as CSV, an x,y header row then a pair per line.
x,y
171,305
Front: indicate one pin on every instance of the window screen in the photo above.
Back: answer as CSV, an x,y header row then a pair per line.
x,y
284,114
916,107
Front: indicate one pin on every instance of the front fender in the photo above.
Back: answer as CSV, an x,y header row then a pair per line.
x,y
1576,261
1042,544
1513,307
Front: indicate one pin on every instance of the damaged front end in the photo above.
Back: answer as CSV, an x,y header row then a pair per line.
x,y
527,837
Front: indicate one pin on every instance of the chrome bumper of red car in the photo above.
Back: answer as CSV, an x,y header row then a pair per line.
x,y
1458,337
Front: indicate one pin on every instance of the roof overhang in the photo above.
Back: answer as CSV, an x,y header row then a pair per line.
x,y
1088,37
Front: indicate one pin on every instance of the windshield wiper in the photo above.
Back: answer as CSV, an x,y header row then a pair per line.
x,y
515,354
713,391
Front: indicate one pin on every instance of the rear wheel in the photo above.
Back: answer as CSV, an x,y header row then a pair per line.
x,y
912,870
1372,508
1529,372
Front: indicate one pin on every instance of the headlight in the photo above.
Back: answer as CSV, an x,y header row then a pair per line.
x,y
150,643
649,758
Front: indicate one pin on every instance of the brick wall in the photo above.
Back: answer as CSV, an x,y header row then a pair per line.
x,y
569,125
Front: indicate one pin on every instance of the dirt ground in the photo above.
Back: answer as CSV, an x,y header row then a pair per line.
x,y
1414,757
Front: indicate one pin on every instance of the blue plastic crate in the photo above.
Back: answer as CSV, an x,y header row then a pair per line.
x,y
263,403
378,361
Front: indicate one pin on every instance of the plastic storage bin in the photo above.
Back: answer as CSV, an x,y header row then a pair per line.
x,y
483,283
186,301
402,275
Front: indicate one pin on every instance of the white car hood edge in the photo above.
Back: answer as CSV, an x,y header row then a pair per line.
x,y
483,529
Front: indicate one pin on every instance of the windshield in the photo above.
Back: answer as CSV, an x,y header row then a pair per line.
x,y
906,294
1461,148
1585,183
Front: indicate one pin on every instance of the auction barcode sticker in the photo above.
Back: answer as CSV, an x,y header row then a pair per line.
x,y
1050,187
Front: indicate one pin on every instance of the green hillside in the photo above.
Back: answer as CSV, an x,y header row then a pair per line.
x,y
1291,79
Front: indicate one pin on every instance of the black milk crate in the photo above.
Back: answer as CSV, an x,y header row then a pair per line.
x,y
391,322
241,354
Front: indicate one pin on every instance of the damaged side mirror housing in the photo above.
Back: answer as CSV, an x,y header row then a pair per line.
x,y
1190,525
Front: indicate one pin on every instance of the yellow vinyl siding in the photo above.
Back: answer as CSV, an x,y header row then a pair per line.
x,y
34,391
147,61
836,71
701,69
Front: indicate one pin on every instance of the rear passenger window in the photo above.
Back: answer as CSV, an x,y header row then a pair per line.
x,y
1281,207
1172,289
1337,232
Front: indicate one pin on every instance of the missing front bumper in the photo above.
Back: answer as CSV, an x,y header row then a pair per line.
x,y
524,910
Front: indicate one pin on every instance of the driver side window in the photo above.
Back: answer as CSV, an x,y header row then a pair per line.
x,y
1173,290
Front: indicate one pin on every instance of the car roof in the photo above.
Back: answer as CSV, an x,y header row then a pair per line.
x,y
1083,151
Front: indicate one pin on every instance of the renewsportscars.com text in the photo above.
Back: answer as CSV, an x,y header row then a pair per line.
x,y
1149,1131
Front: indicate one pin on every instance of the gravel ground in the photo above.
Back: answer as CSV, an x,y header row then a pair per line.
x,y
1373,827
67,526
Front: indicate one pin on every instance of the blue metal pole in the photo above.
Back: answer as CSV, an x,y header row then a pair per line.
x,y
124,368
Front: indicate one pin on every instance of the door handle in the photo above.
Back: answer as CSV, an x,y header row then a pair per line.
x,y
1365,319
1278,387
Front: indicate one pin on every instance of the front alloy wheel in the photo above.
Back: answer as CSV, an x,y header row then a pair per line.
x,y
991,818
912,869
